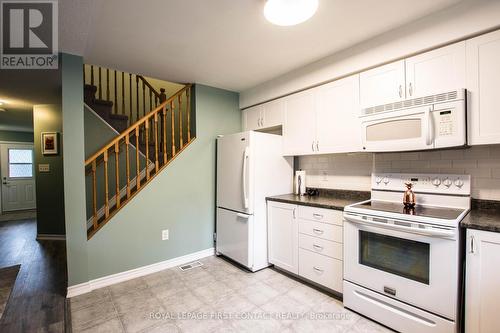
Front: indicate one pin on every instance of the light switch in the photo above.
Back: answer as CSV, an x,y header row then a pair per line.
x,y
43,167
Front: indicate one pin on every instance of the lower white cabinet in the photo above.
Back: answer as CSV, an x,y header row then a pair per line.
x,y
482,289
299,244
283,235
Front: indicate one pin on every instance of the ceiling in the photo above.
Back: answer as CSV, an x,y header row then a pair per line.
x,y
20,90
222,43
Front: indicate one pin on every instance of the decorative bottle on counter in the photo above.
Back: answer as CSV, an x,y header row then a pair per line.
x,y
409,198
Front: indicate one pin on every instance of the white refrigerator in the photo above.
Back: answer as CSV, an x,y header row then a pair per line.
x,y
250,167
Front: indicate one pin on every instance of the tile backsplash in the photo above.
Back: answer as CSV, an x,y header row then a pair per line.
x,y
353,171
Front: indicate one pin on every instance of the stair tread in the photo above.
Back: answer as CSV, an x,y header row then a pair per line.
x,y
103,102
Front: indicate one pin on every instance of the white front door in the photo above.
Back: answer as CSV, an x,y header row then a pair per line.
x,y
18,179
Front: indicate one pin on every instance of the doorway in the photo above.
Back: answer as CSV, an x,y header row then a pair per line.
x,y
18,177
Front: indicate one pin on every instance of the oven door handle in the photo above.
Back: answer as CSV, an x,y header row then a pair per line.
x,y
425,232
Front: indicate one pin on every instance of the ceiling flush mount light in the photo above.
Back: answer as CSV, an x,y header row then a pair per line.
x,y
289,12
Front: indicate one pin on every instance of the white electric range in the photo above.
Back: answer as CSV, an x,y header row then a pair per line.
x,y
402,266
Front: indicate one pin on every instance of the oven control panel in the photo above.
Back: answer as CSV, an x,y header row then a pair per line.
x,y
424,183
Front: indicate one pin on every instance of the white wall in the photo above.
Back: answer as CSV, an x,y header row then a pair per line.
x,y
463,20
352,171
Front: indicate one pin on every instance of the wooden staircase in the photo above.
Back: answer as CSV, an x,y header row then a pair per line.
x,y
118,171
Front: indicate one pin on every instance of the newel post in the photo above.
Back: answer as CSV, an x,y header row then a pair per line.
x,y
163,96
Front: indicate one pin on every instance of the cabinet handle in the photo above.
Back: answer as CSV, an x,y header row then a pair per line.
x,y
317,145
318,216
312,146
318,231
317,269
294,212
400,91
319,247
472,245
410,89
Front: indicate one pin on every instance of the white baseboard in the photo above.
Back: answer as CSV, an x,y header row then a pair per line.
x,y
109,280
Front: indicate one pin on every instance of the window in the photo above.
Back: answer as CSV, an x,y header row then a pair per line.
x,y
20,163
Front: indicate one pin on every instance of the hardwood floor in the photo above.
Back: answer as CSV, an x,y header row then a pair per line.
x,y
38,298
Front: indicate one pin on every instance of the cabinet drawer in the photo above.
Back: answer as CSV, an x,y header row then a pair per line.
x,y
321,269
321,230
321,246
320,214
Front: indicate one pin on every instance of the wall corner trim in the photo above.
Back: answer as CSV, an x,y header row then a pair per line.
x,y
109,280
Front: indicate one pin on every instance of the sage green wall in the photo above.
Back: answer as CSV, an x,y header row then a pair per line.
x,y
16,136
181,199
74,156
49,185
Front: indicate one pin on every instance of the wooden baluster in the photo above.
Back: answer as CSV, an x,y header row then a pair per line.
x,y
127,163
130,96
92,74
117,172
107,84
100,83
156,141
123,93
94,194
146,124
143,99
150,100
137,162
84,75
164,135
181,131
172,109
188,108
116,99
106,185
137,98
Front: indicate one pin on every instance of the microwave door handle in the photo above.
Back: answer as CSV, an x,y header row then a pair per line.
x,y
429,127
245,167
425,232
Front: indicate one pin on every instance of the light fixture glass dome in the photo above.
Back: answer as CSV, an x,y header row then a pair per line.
x,y
289,12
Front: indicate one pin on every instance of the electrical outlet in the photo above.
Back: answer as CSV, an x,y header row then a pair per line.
x,y
164,234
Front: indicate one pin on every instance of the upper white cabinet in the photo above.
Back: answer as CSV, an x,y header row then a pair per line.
x,y
482,294
264,116
436,71
483,76
299,128
426,74
382,85
337,116
283,235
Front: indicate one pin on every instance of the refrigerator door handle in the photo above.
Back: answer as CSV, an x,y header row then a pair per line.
x,y
245,162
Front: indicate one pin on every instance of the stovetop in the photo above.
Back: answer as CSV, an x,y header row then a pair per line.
x,y
419,211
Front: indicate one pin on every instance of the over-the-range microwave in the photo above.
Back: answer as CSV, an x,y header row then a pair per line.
x,y
430,122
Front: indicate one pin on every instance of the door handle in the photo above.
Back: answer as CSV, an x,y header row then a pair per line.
x,y
245,194
243,216
430,129
400,91
410,89
317,145
472,245
312,146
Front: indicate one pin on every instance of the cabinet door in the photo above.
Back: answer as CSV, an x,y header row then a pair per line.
x,y
482,294
382,85
272,114
436,72
483,84
252,118
299,132
337,116
283,235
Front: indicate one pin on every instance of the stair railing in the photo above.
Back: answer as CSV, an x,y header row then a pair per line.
x,y
132,95
162,133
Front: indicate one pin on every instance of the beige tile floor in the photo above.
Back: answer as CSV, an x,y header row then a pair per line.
x,y
217,297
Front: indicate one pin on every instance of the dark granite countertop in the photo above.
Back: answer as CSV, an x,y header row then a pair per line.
x,y
484,215
330,199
